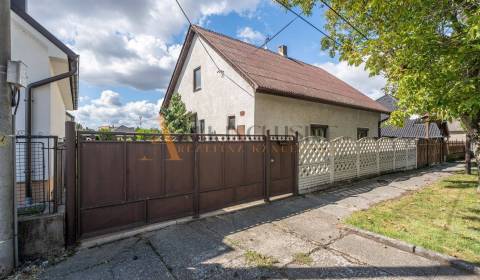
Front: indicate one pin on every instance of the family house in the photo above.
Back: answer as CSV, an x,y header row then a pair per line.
x,y
235,87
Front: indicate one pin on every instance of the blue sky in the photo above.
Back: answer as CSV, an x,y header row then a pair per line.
x,y
128,48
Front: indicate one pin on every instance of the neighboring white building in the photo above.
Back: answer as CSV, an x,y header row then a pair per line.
x,y
234,87
52,70
45,57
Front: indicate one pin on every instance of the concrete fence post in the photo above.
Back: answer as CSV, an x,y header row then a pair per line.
x,y
377,149
394,154
332,162
357,151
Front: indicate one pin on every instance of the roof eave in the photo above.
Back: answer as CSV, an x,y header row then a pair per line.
x,y
72,56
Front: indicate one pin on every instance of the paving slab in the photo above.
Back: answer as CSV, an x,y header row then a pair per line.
x,y
186,250
337,210
391,260
270,240
382,193
315,225
89,258
326,264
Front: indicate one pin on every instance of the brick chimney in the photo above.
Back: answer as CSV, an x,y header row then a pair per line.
x,y
20,4
282,50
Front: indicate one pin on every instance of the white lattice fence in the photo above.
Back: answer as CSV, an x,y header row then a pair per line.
x,y
400,160
314,162
323,162
367,156
344,151
386,155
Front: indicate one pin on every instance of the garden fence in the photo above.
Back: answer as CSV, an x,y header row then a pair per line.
x,y
323,162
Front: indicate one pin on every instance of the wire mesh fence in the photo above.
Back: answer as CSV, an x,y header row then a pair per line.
x,y
38,173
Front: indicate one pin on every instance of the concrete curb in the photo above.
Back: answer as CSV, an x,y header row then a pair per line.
x,y
417,250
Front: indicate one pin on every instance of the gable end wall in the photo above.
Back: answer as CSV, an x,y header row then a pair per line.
x,y
219,97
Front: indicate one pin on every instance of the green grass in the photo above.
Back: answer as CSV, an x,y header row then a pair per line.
x,y
302,258
259,260
444,217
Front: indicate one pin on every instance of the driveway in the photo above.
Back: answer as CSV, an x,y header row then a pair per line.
x,y
299,237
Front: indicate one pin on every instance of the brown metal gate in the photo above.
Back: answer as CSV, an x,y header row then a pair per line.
x,y
129,180
430,151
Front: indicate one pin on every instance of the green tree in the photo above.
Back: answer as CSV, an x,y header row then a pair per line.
x,y
428,50
104,134
147,133
176,117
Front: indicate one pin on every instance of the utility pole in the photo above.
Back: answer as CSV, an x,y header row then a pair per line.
x,y
6,147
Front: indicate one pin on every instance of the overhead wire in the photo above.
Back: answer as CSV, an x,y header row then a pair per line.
x,y
219,70
344,19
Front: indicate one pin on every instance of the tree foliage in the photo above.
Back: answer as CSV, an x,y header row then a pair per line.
x,y
176,117
428,50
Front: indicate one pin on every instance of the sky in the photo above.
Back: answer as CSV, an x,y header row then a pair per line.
x,y
128,49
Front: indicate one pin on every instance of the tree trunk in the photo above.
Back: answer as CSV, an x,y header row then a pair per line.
x,y
472,126
468,158
477,159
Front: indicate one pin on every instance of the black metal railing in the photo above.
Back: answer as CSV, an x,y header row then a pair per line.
x,y
39,178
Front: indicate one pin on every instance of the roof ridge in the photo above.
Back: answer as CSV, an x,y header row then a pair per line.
x,y
225,44
281,56
250,45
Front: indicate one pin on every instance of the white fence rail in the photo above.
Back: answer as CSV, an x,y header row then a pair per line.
x,y
323,162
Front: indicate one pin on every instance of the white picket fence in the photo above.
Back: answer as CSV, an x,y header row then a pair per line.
x,y
323,162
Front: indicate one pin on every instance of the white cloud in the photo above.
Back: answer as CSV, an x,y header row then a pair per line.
x,y
109,110
247,34
356,77
125,42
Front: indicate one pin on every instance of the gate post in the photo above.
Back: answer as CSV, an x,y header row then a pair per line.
x,y
268,167
70,183
196,195
296,163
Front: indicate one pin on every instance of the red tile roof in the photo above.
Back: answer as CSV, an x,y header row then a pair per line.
x,y
272,73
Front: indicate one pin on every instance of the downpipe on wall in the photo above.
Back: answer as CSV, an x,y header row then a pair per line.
x,y
73,65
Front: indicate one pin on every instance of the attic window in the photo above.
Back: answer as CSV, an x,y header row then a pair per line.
x,y
197,79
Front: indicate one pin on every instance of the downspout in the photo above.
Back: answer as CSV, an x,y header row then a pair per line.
x,y
72,64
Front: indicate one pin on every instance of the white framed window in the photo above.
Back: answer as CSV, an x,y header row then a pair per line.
x,y
197,79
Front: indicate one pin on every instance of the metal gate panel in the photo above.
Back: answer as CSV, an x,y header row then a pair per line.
x,y
144,168
210,166
179,173
255,163
106,219
282,167
102,174
218,199
163,209
234,164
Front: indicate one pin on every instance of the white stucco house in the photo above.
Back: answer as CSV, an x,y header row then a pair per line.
x,y
52,91
235,87
45,57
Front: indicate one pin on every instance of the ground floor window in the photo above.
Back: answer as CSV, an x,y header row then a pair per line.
x,y
231,122
362,133
202,126
319,130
